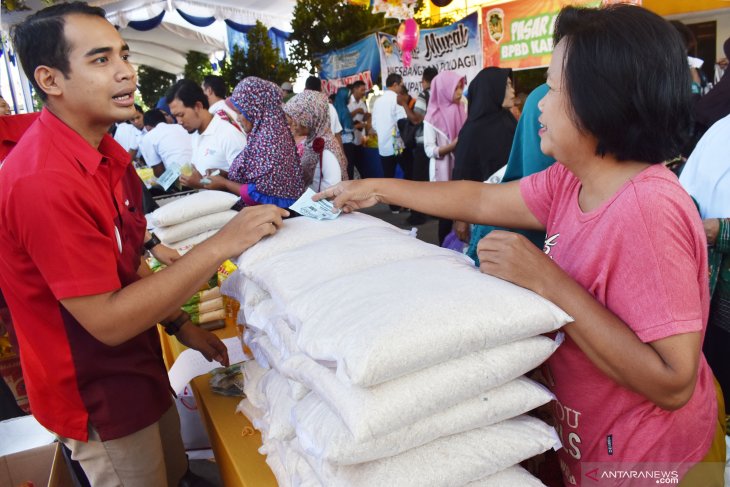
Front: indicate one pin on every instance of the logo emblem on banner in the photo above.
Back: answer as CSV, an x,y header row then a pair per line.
x,y
495,24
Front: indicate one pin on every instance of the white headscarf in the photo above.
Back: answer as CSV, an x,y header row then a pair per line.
x,y
706,176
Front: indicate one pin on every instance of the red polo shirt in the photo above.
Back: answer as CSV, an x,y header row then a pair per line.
x,y
73,226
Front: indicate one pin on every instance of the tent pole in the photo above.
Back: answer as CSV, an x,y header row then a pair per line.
x,y
6,55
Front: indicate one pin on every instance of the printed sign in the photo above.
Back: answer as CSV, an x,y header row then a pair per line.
x,y
519,34
358,61
456,47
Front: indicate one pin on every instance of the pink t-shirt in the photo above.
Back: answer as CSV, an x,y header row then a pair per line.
x,y
643,255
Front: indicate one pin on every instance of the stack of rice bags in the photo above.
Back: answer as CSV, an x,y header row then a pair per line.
x,y
383,360
192,219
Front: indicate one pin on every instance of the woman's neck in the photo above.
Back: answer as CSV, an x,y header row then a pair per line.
x,y
602,177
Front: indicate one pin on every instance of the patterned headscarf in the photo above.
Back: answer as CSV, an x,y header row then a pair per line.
x,y
270,159
310,109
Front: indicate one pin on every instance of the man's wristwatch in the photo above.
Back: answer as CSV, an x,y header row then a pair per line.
x,y
152,242
172,327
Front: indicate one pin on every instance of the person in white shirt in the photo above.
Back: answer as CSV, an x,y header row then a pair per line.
x,y
359,113
215,143
129,133
386,113
165,145
216,90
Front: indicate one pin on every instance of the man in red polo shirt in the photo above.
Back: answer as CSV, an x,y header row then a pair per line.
x,y
70,249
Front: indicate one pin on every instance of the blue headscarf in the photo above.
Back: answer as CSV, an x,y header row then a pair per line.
x,y
343,113
525,158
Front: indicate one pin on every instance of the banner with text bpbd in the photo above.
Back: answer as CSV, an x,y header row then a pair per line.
x,y
456,47
358,61
519,34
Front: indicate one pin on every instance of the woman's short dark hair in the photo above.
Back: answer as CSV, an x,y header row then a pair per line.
x,y
626,75
188,92
39,40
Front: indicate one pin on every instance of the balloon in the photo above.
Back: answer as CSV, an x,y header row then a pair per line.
x,y
407,39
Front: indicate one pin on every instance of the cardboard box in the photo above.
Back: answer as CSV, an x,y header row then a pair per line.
x,y
29,453
32,465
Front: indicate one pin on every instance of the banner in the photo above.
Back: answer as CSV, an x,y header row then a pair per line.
x,y
456,47
358,61
519,34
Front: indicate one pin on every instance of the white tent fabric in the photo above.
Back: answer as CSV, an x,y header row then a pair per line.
x,y
165,46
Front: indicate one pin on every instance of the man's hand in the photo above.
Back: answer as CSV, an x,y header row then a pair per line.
x,y
462,230
165,254
248,227
204,342
350,195
216,182
192,181
712,228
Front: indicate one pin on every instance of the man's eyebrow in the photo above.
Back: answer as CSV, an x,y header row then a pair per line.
x,y
103,50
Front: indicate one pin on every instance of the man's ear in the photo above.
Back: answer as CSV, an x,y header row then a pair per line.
x,y
49,80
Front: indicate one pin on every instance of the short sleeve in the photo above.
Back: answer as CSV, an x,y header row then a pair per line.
x,y
147,149
421,105
538,190
234,142
59,227
332,174
660,274
334,120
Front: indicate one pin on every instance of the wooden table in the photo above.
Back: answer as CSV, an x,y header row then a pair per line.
x,y
237,456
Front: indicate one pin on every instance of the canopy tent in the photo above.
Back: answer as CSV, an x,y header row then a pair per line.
x,y
161,32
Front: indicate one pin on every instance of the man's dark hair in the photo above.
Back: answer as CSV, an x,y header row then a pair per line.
x,y
429,73
138,108
626,76
188,92
357,84
313,83
217,84
393,79
153,117
40,40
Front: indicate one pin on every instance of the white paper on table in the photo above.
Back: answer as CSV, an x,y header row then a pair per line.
x,y
23,433
191,363
320,210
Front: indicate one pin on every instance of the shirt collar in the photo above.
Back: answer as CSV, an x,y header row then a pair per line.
x,y
210,129
72,143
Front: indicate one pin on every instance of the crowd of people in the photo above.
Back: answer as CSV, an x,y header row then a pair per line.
x,y
598,225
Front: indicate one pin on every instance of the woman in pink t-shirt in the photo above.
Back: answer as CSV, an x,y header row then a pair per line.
x,y
625,252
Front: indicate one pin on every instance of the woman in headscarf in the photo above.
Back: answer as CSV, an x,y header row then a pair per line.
x,y
323,162
525,158
486,139
444,118
267,171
